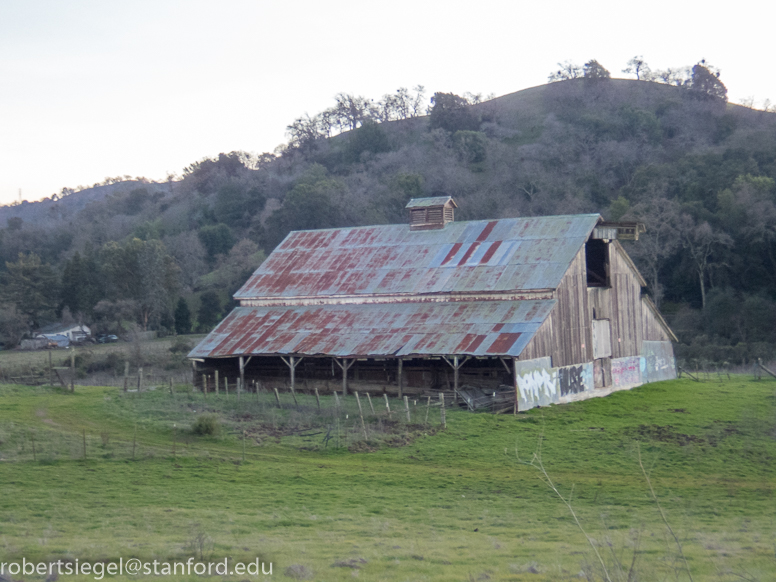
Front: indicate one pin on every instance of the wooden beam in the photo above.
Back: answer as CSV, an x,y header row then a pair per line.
x,y
400,377
456,365
345,366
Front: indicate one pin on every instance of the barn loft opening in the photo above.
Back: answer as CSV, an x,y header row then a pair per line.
x,y
597,260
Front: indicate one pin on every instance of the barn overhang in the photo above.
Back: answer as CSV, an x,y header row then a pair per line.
x,y
378,330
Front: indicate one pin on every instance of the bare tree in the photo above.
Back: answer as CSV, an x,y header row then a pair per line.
x,y
639,67
567,70
700,240
661,240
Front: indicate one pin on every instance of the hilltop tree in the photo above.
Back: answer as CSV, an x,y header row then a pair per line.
x,y
595,71
639,67
567,70
705,84
452,113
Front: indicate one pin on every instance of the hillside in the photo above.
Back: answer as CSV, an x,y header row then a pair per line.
x,y
701,173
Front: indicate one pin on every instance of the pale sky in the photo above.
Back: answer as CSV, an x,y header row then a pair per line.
x,y
98,88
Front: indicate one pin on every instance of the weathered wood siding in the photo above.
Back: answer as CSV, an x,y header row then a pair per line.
x,y
543,342
653,329
625,304
566,335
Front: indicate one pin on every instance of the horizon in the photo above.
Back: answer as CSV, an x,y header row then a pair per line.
x,y
146,90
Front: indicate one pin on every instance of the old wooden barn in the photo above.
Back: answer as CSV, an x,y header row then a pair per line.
x,y
544,309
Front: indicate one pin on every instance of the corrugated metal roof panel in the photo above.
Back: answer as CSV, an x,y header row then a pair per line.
x,y
478,328
394,259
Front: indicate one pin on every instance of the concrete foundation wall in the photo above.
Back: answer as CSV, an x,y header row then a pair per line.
x,y
541,384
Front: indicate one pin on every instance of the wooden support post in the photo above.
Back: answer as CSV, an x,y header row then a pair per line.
x,y
372,406
456,365
216,382
317,398
345,366
517,403
126,375
442,409
361,415
242,375
455,375
292,362
72,369
226,387
400,377
193,375
239,388
407,408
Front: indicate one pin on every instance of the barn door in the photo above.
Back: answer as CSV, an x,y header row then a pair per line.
x,y
602,339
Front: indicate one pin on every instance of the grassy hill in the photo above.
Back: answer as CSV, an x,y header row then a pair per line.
x,y
463,503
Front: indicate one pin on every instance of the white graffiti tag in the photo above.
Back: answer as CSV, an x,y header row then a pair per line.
x,y
538,387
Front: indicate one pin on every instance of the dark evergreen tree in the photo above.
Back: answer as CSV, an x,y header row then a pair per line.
x,y
209,312
182,317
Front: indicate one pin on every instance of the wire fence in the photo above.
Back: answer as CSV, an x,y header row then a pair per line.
x,y
163,421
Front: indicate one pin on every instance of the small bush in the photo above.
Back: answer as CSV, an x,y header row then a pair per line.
x,y
206,425
180,346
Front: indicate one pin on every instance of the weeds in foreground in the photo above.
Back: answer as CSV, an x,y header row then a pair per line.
x,y
623,572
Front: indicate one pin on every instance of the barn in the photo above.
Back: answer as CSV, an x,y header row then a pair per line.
x,y
545,309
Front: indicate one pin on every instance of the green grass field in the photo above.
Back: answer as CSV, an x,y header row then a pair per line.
x,y
455,504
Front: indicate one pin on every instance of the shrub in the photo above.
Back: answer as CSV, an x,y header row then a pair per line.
x,y
206,425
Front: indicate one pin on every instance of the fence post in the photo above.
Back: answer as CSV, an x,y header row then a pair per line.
x,y
442,409
407,407
277,397
216,382
372,406
387,406
361,415
428,407
72,369
317,398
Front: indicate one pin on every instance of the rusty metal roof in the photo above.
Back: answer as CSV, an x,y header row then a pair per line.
x,y
476,256
478,328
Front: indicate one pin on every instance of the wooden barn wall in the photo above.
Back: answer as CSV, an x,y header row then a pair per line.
x,y
651,326
566,336
625,304
543,341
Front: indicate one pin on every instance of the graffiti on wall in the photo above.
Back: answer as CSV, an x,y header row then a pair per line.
x,y
575,379
626,372
537,383
659,361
